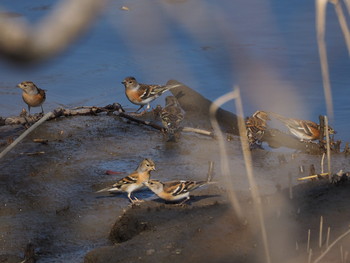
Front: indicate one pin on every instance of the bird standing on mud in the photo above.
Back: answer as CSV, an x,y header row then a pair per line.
x,y
256,127
143,94
133,181
32,95
172,115
303,129
174,190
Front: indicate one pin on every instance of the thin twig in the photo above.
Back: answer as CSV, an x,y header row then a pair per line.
x,y
24,134
196,130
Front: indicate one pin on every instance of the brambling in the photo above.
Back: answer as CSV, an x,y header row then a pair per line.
x,y
174,190
256,127
143,94
303,129
32,95
172,115
133,181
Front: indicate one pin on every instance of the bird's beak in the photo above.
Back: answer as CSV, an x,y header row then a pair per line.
x,y
123,82
19,86
146,184
154,168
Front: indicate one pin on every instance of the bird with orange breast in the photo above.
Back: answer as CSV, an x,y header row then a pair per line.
x,y
304,130
32,95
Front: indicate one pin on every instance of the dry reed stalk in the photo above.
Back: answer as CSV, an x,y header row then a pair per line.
x,y
320,28
310,256
341,254
249,169
224,164
342,22
24,134
322,163
320,234
210,171
308,241
331,245
328,149
328,235
347,3
290,186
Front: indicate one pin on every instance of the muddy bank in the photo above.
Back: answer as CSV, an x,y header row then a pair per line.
x,y
208,230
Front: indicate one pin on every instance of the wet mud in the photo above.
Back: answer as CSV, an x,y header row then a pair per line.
x,y
49,199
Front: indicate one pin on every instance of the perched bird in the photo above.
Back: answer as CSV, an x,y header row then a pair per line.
x,y
133,181
256,127
303,129
172,115
32,95
174,190
143,94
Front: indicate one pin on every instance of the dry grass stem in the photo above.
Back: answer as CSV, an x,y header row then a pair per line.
x,y
308,241
321,231
322,163
24,134
331,245
320,28
342,22
249,170
328,235
310,256
224,164
328,148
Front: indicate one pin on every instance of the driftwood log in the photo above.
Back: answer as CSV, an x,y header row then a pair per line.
x,y
197,112
197,116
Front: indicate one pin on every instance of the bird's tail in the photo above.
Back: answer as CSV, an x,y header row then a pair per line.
x,y
283,119
109,189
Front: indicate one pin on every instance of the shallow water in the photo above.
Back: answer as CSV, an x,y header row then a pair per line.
x,y
268,48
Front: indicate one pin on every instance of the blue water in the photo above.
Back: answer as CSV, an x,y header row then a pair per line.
x,y
268,48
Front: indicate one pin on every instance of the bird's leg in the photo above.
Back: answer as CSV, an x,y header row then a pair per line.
x,y
182,203
42,110
28,110
140,108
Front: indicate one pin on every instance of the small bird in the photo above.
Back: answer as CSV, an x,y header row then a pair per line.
x,y
256,127
133,181
174,190
303,129
172,115
32,95
143,94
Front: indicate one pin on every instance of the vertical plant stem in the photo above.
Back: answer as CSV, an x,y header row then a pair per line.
x,y
328,149
328,235
249,171
308,241
320,28
320,234
342,22
224,164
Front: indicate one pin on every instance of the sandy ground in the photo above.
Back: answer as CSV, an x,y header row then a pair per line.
x,y
49,199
